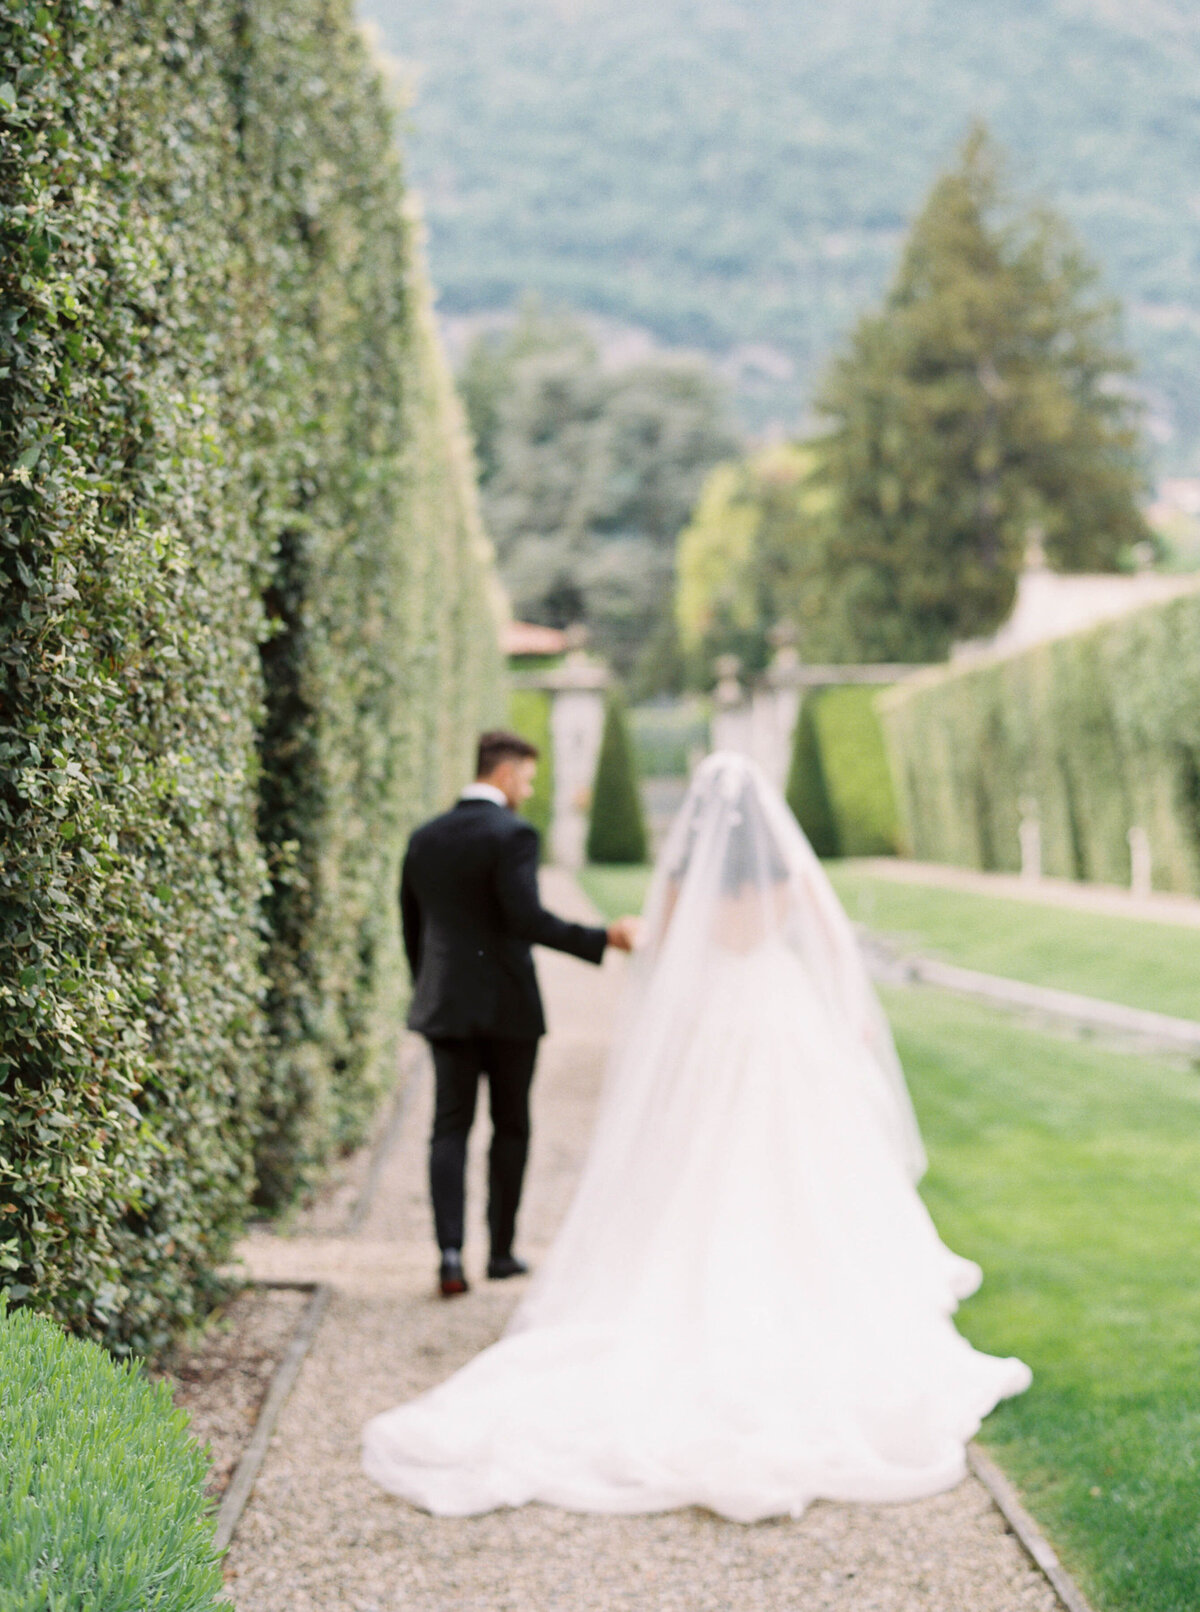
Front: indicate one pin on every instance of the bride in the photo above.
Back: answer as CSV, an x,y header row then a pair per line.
x,y
747,1306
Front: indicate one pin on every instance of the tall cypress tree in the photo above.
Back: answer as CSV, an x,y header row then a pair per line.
x,y
617,829
980,406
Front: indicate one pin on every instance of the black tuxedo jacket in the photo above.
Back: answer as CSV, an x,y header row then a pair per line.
x,y
471,911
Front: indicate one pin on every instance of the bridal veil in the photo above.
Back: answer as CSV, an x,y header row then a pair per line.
x,y
747,1305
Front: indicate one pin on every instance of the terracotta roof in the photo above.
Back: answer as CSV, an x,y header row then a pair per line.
x,y
527,638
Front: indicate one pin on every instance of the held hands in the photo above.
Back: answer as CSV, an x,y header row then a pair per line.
x,y
624,933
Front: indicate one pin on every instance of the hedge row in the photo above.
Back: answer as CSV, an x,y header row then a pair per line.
x,y
529,715
244,627
1094,734
839,782
807,787
857,772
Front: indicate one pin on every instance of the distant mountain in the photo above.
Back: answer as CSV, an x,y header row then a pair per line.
x,y
736,175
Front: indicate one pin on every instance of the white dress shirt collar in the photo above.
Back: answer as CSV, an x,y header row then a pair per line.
x,y
479,791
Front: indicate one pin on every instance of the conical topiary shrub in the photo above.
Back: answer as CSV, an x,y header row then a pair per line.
x,y
807,791
617,830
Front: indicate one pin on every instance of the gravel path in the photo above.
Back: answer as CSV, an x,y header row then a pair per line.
x,y
222,1378
318,1537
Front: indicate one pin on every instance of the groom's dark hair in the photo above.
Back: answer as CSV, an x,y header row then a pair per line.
x,y
498,746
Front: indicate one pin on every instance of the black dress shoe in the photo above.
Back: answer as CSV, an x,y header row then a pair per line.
x,y
501,1266
451,1280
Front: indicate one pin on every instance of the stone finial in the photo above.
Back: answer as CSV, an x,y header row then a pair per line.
x,y
729,689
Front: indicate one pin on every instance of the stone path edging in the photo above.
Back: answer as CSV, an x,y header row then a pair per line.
x,y
1038,1547
1157,1032
241,1485
411,1054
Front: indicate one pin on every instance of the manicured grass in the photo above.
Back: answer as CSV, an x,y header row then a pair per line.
x,y
1145,965
1073,1176
615,890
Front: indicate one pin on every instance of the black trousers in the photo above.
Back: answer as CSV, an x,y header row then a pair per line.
x,y
458,1064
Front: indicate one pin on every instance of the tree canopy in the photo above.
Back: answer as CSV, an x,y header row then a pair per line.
x,y
588,474
986,404
752,558
984,407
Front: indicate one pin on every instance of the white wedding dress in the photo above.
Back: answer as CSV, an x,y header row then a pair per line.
x,y
747,1306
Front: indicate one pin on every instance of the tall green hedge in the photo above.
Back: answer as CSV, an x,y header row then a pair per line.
x,y
858,775
529,716
1096,733
244,630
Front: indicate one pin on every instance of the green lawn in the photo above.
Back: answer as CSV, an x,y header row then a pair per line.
x,y
1146,965
615,890
1073,1176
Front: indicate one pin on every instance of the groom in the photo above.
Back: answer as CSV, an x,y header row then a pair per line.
x,y
471,911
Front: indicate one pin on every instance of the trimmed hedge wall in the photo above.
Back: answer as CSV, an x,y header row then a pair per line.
x,y
529,715
245,633
1099,731
858,775
807,788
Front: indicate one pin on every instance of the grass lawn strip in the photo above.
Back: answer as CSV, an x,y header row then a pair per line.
x,y
1129,960
615,890
1076,1188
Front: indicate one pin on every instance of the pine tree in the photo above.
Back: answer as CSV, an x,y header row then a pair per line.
x,y
981,406
807,791
617,830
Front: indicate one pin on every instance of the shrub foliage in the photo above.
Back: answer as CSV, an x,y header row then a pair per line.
x,y
242,630
102,1503
529,715
616,828
1094,734
807,789
857,773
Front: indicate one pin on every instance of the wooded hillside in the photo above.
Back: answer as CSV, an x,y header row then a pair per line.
x,y
737,174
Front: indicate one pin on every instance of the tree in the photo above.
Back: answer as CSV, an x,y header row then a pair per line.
x,y
751,558
807,791
616,830
985,404
588,474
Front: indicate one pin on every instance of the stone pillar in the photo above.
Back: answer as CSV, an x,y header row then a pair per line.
x,y
759,724
1029,833
577,690
1140,862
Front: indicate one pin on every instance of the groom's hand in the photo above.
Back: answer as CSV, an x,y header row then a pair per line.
x,y
623,934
